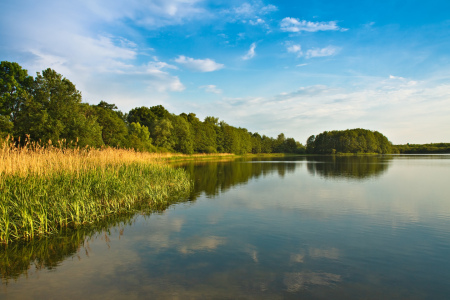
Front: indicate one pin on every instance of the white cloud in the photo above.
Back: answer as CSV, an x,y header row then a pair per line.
x,y
257,22
201,65
149,13
211,89
268,9
75,48
395,77
251,13
251,52
296,25
160,80
293,48
310,53
321,52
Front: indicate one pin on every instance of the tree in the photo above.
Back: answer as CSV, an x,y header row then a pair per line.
x,y
15,88
142,115
279,144
310,144
290,146
160,112
203,133
114,129
161,131
267,144
256,143
55,112
6,126
181,135
139,138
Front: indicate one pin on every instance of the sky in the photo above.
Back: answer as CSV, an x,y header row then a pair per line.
x,y
292,67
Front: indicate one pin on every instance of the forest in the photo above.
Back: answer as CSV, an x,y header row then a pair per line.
x,y
48,107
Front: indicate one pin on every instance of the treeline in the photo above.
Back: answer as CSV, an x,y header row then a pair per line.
x,y
424,148
349,141
50,108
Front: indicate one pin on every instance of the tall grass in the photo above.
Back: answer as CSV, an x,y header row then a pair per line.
x,y
43,189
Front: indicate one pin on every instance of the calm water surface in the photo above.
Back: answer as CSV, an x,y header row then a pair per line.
x,y
284,228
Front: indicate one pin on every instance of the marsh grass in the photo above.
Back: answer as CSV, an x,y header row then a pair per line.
x,y
44,189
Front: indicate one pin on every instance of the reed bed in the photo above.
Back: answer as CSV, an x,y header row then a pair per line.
x,y
44,189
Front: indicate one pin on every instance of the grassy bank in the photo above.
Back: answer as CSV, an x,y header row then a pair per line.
x,y
356,154
45,189
171,157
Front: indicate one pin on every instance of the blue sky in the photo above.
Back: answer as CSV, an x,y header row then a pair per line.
x,y
297,67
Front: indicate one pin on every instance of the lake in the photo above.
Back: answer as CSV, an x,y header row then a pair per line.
x,y
372,227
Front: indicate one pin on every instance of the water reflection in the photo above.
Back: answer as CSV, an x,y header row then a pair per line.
x,y
213,178
349,167
217,177
24,258
18,259
299,281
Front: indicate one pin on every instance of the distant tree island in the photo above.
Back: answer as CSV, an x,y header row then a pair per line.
x,y
50,108
349,141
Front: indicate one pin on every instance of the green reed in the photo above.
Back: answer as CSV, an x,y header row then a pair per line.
x,y
35,205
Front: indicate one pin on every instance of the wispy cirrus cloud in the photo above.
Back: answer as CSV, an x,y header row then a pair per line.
x,y
250,53
321,52
200,65
311,53
247,11
211,89
296,25
250,13
149,13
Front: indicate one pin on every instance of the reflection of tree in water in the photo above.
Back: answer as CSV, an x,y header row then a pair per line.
x,y
219,176
351,167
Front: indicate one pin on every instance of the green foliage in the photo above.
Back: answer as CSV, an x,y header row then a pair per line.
x,y
114,129
161,132
142,115
6,126
349,141
181,135
53,111
139,138
15,88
